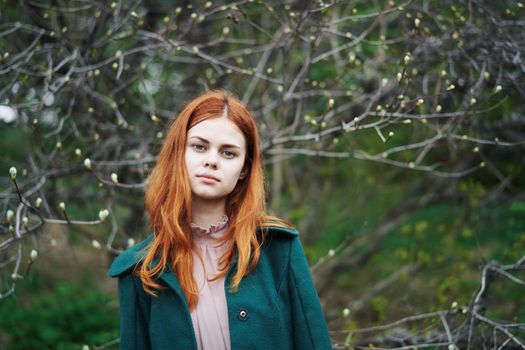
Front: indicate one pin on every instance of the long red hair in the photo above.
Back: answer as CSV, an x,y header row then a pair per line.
x,y
168,201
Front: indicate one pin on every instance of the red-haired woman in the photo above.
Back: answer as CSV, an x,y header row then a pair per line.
x,y
216,272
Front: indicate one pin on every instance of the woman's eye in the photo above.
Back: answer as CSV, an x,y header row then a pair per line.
x,y
198,147
229,154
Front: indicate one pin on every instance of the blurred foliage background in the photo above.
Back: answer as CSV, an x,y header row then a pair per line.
x,y
393,137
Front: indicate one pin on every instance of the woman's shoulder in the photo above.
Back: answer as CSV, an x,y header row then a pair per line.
x,y
129,257
276,237
288,232
277,241
276,226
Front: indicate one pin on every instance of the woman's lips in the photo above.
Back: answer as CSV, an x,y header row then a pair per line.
x,y
208,178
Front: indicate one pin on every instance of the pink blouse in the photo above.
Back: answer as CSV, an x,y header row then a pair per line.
x,y
210,317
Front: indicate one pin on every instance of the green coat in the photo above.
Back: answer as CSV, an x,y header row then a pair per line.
x,y
276,306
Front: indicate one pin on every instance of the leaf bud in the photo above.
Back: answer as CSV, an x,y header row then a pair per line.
x,y
33,255
103,214
87,163
9,215
12,171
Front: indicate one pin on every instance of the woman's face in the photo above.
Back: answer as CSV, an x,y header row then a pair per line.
x,y
214,157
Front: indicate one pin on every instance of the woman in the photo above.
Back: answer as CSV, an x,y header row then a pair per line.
x,y
217,272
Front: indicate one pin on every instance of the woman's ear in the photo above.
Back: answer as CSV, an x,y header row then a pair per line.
x,y
243,174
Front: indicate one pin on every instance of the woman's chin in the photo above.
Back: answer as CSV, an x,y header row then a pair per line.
x,y
207,196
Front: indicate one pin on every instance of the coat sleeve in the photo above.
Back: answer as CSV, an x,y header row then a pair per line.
x,y
134,313
309,327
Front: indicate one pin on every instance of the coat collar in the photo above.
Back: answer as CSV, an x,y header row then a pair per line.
x,y
132,256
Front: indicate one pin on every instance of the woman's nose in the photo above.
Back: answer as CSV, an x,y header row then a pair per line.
x,y
210,164
211,161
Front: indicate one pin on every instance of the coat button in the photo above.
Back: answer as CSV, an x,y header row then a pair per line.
x,y
243,314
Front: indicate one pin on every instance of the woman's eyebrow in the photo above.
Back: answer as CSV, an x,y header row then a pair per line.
x,y
206,141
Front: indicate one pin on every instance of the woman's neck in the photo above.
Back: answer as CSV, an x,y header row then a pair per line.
x,y
205,213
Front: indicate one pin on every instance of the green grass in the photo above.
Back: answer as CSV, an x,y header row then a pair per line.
x,y
452,254
66,317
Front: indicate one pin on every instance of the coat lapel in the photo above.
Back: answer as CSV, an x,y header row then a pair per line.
x,y
169,278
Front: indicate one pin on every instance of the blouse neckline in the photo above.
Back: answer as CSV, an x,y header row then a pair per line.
x,y
207,231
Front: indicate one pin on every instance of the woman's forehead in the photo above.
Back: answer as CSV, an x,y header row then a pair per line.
x,y
218,130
